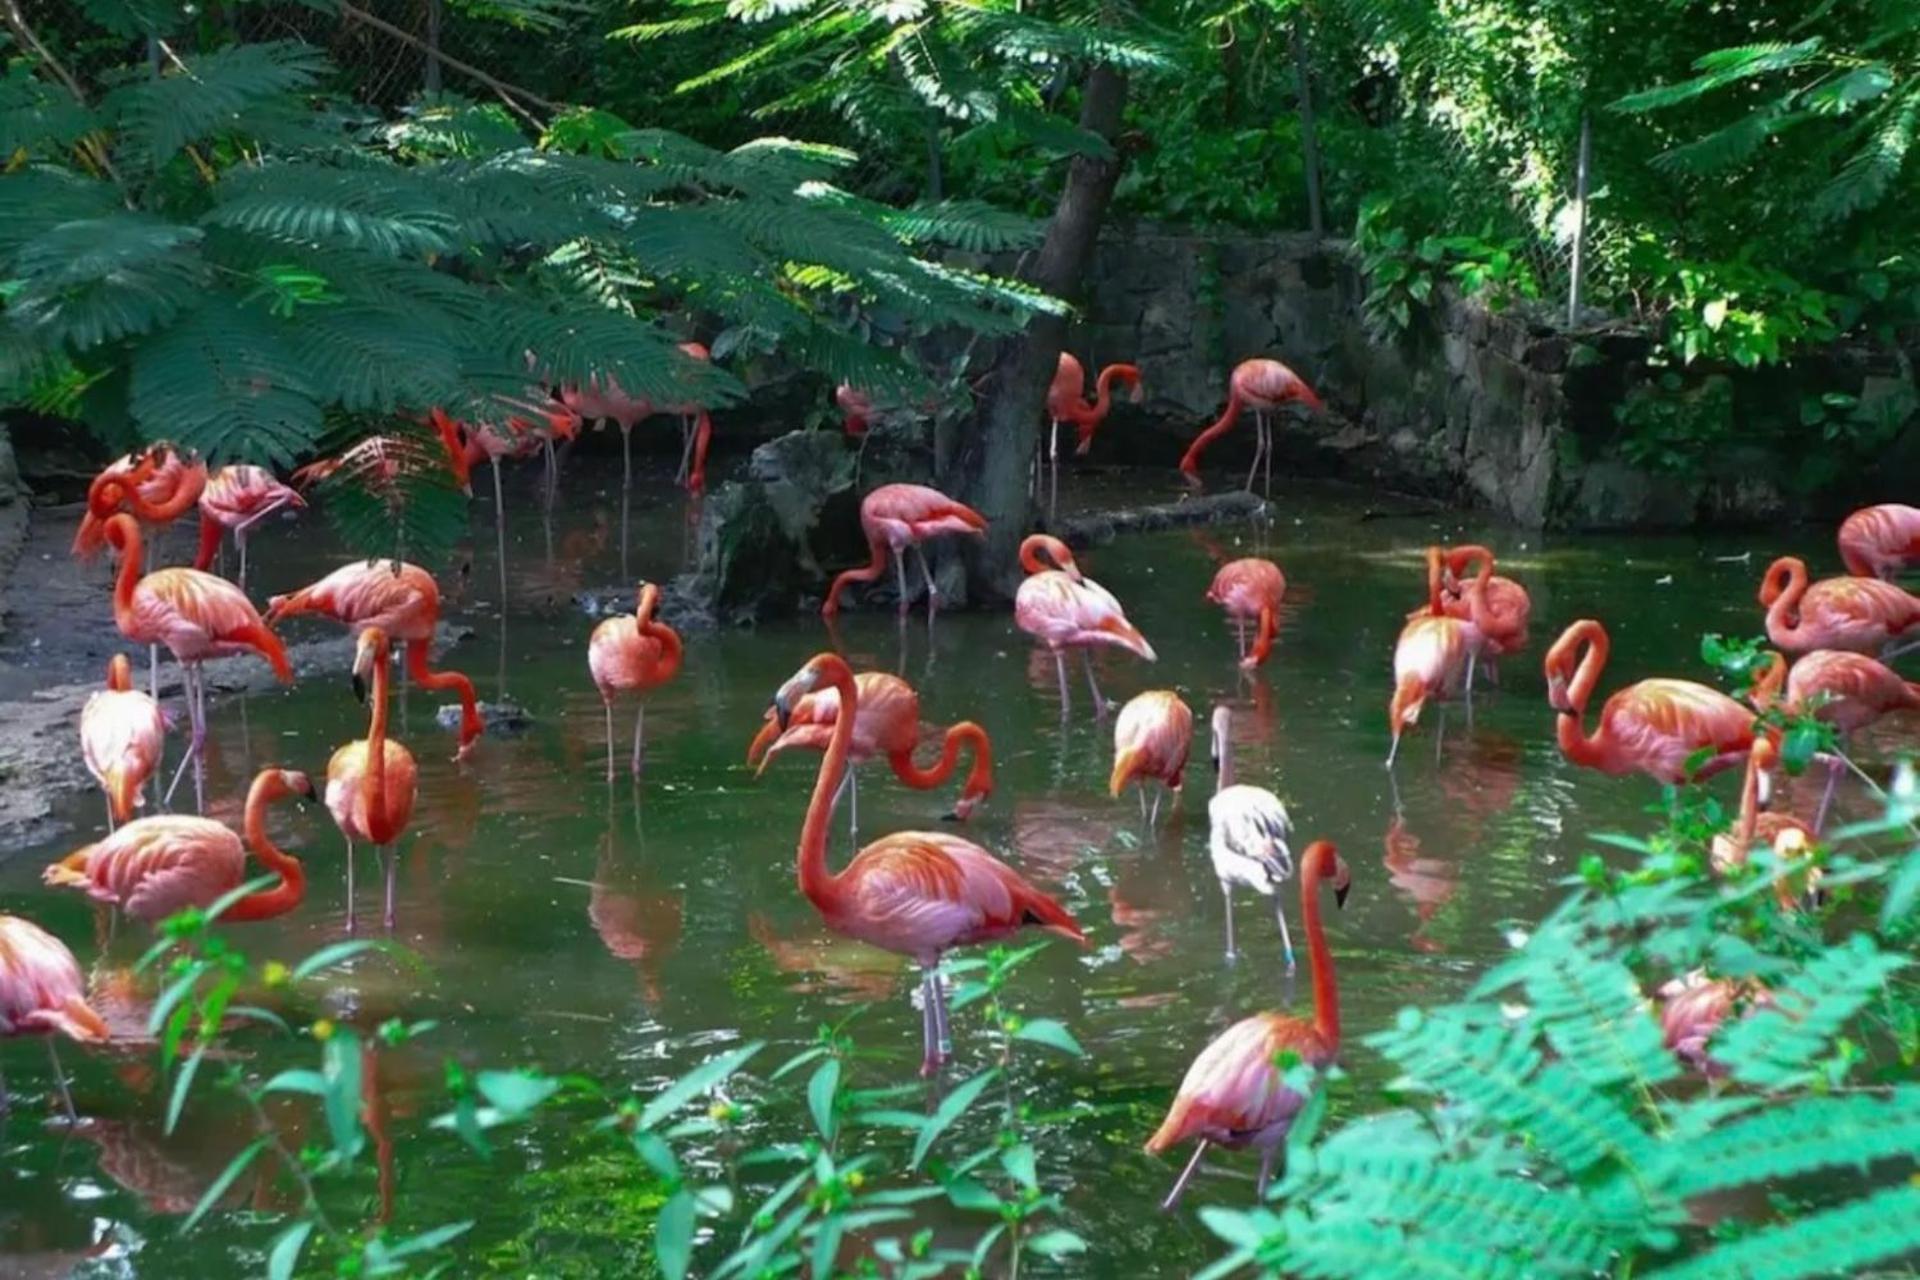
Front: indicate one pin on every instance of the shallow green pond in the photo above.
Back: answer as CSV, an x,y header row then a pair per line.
x,y
578,927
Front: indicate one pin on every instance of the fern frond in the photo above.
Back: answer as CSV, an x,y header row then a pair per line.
x,y
1869,173
382,211
1842,1241
1814,1133
393,495
97,280
1737,142
222,383
366,359
1721,68
1362,1250
33,201
1590,1006
1775,1046
213,95
36,121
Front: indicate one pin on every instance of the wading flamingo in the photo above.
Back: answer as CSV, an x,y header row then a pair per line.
x,y
603,400
1848,691
156,486
403,601
154,867
856,409
894,518
1251,590
631,653
1151,740
1882,541
1865,615
886,724
1260,385
1247,830
915,893
122,736
1067,402
1495,609
236,499
371,782
1790,839
1429,662
1233,1095
41,994
1069,611
196,616
1653,727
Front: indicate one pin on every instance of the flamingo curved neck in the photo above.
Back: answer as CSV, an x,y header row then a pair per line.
x,y
128,576
210,532
377,825
869,572
965,734
427,678
1263,640
671,649
1435,581
821,886
1223,777
1103,388
1783,615
1326,996
1575,744
183,496
291,890
1220,426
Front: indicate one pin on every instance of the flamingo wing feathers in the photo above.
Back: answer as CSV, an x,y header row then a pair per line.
x,y
922,892
401,599
157,866
40,985
1247,837
122,735
1233,1093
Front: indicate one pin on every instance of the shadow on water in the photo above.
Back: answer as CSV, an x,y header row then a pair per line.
x,y
627,933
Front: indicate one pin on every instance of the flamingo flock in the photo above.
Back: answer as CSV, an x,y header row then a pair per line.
x,y
922,894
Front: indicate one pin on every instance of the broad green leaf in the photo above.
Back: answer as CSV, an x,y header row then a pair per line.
x,y
297,1081
340,1069
707,1075
1056,1243
284,1256
673,1235
235,1167
951,1108
1052,1033
182,1085
330,956
515,1092
821,1090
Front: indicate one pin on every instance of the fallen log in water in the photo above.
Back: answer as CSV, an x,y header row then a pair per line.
x,y
1097,527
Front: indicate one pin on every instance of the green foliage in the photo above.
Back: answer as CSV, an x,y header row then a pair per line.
x,y
1673,427
1403,273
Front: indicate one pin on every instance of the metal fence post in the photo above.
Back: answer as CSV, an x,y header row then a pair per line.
x,y
1309,138
1580,178
433,46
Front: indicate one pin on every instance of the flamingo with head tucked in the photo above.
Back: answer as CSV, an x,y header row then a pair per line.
x,y
1844,689
896,517
1151,740
1251,590
1495,609
1067,402
371,782
1247,830
1429,663
1865,615
1654,727
122,736
887,724
1234,1094
1881,541
915,893
403,601
157,486
1066,610
856,409
632,653
41,993
1261,385
235,499
154,867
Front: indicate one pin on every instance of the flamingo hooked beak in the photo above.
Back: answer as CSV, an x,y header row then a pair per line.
x,y
1557,693
1340,892
304,789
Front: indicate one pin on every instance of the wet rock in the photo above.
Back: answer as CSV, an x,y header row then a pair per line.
x,y
502,719
1100,527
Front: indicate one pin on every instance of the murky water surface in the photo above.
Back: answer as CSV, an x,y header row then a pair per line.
x,y
578,927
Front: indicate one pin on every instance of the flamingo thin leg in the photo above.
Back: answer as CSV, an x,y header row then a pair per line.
x,y
1180,1183
1254,470
639,737
626,457
1100,705
60,1080
1266,1172
1826,797
926,571
942,1031
1266,432
349,886
900,573
1060,668
608,704
1286,939
1226,893
929,1055
390,856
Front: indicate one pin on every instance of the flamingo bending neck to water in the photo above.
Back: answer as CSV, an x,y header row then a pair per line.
x,y
1494,609
1151,740
1881,541
1788,837
1429,661
633,653
122,736
41,993
914,893
1865,615
898,516
1251,590
236,499
1069,611
155,867
1653,727
1247,830
1261,385
1844,689
371,782
1233,1094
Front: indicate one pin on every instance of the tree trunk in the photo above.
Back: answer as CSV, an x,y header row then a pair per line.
x,y
986,465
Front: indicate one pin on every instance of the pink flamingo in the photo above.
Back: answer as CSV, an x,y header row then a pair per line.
x,y
894,518
1429,660
157,486
236,499
1151,740
914,893
41,994
1260,385
1865,615
1067,402
1251,590
1653,727
155,867
196,616
602,399
371,782
632,653
856,409
1788,837
1846,690
1068,611
1693,1008
122,736
1234,1095
887,724
1247,830
1495,609
403,601
1880,542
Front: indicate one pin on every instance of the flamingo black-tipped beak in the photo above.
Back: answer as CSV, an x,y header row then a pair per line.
x,y
782,711
359,688
1340,896
306,790
952,815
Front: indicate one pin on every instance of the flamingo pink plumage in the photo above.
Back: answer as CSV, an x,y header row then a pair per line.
x,y
1151,741
1066,610
41,993
895,517
1067,399
1788,837
1653,727
631,653
886,724
234,500
1865,615
1882,541
1494,609
371,782
402,600
1251,590
1261,385
1234,1094
856,409
1844,689
155,867
1694,1007
122,736
157,486
1429,663
914,893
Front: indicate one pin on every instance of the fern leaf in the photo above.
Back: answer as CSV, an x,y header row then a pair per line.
x,y
98,280
213,95
1591,1008
381,211
37,121
1776,1045
393,496
1837,1242
34,201
1868,175
366,359
1721,68
1804,1135
221,382
1737,142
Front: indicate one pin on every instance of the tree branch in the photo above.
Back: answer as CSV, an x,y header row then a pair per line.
x,y
507,92
17,21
